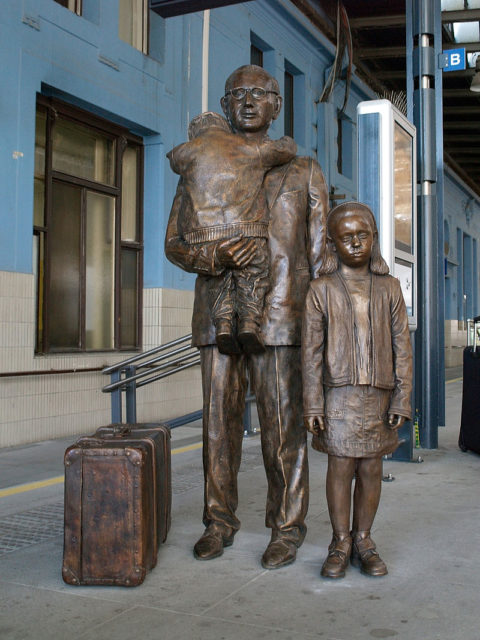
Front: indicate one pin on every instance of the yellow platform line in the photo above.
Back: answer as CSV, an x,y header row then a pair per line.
x,y
41,484
454,380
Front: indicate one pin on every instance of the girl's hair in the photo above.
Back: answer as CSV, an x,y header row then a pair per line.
x,y
330,264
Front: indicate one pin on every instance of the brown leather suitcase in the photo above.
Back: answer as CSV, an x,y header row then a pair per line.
x,y
117,504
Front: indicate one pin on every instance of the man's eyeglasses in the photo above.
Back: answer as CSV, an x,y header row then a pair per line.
x,y
257,93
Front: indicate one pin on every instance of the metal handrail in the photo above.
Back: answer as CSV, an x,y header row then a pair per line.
x,y
125,377
140,370
125,363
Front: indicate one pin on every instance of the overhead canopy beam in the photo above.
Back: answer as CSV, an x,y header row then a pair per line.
x,y
461,93
463,15
474,108
470,47
378,22
382,52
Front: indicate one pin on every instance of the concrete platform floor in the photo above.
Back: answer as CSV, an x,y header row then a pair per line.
x,y
427,531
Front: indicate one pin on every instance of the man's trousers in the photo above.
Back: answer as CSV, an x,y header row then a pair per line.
x,y
275,377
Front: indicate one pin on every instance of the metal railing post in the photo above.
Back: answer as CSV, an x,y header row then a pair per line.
x,y
116,399
131,396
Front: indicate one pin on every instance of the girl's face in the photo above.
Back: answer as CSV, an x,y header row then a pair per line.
x,y
353,239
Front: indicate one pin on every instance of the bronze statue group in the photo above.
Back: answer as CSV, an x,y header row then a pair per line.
x,y
299,298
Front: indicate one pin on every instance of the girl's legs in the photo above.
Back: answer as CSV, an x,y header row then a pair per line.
x,y
366,497
339,496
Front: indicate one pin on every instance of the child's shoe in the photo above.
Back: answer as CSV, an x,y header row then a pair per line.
x,y
365,555
338,556
225,337
249,337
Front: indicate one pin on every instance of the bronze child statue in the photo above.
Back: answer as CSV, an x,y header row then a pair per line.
x,y
223,176
357,377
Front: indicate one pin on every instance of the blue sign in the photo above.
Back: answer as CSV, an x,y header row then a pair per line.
x,y
455,59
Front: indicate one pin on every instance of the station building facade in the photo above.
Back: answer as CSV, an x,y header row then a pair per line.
x,y
93,96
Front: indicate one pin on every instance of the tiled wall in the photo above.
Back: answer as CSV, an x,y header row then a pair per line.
x,y
47,405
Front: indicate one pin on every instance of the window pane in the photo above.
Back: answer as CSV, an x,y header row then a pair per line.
x,y
403,190
288,104
39,180
256,56
63,309
129,194
100,272
38,261
129,298
82,152
131,23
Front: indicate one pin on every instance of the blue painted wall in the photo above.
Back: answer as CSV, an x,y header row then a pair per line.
x,y
47,49
462,232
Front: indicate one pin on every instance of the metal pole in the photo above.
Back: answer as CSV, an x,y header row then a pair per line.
x,y
430,334
131,396
116,399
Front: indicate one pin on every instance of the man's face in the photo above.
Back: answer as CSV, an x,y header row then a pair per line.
x,y
250,114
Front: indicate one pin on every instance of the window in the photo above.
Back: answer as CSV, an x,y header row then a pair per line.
x,y
344,145
73,5
87,231
133,23
294,115
288,102
256,56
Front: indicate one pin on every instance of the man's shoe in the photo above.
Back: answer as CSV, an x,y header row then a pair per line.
x,y
249,337
338,557
211,545
226,341
279,553
365,556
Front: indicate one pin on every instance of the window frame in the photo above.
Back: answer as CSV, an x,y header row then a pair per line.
x,y
54,109
145,44
77,6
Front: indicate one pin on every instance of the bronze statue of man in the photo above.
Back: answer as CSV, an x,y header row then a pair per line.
x,y
297,199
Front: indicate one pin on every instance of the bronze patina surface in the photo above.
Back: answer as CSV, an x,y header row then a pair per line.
x,y
296,197
357,379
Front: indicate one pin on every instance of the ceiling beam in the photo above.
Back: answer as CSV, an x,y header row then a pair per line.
x,y
474,108
471,150
460,138
378,22
391,75
466,160
460,93
463,15
475,126
382,52
470,47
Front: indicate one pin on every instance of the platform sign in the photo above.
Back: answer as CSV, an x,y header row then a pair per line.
x,y
455,60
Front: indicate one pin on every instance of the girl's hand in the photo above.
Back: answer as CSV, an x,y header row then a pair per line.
x,y
395,421
314,424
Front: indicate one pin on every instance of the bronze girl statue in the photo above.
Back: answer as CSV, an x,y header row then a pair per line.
x,y
357,377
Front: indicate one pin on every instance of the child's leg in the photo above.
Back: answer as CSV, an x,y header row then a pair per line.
x,y
339,492
339,496
221,301
366,497
252,283
368,486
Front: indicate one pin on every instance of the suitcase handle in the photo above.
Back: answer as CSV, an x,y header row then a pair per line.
x,y
119,431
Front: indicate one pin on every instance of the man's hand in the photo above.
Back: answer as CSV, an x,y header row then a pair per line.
x,y
395,421
235,253
314,424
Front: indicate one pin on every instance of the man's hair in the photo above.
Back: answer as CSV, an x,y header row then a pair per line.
x,y
204,121
330,264
252,68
